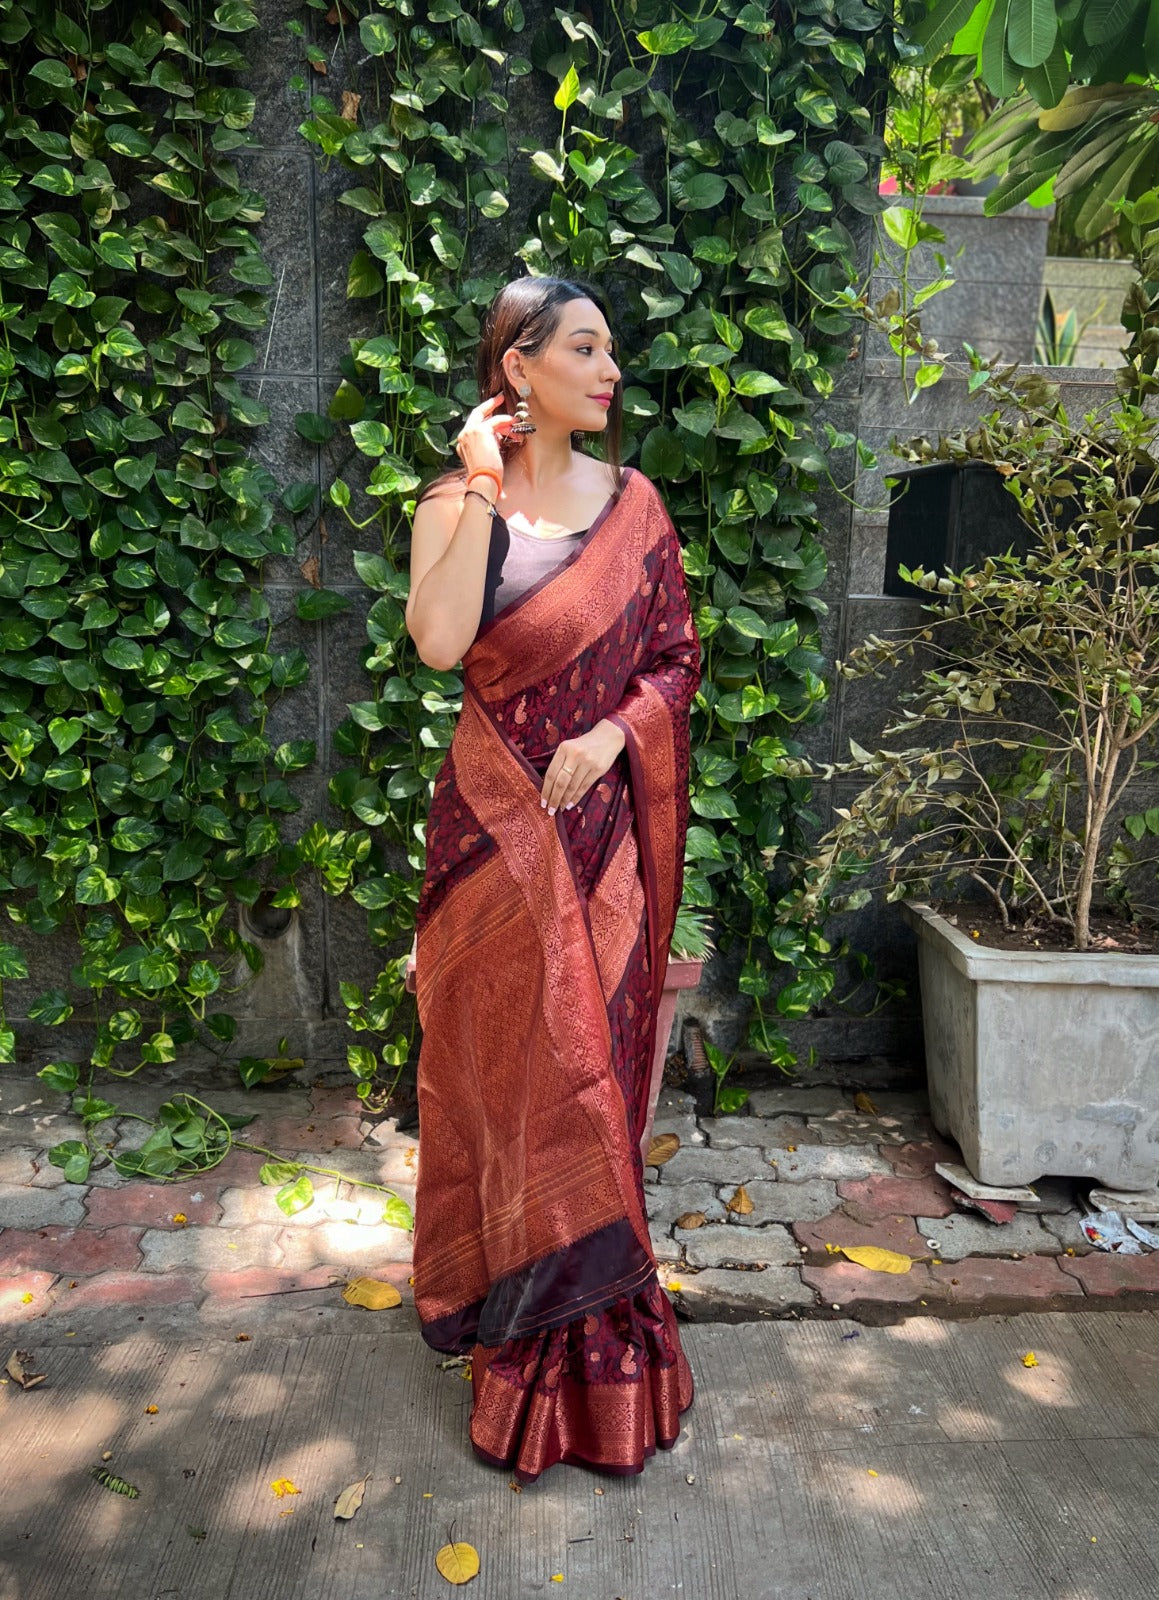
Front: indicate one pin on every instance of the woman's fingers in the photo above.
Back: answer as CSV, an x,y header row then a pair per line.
x,y
567,779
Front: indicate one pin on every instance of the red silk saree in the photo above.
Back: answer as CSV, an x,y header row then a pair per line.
x,y
542,947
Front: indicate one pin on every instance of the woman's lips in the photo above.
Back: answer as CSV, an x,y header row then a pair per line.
x,y
604,400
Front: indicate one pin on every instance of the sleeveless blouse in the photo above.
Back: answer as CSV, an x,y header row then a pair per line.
x,y
516,562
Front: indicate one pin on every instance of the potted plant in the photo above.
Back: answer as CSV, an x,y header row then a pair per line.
x,y
1030,705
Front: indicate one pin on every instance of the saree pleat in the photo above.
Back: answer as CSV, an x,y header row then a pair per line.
x,y
542,945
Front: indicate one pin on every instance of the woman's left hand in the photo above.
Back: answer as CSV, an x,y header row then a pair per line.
x,y
578,763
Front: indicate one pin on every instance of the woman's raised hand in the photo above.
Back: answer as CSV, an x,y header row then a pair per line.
x,y
478,443
579,763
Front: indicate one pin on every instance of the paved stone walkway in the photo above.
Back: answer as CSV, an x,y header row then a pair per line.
x,y
820,1174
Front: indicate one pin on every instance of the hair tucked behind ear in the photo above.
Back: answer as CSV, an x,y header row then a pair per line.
x,y
523,316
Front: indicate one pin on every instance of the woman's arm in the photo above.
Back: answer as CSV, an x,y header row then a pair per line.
x,y
448,564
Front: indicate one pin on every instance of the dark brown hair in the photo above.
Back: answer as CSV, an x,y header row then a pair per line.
x,y
524,316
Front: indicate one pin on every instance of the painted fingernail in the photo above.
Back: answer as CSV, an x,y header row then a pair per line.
x,y
551,811
543,805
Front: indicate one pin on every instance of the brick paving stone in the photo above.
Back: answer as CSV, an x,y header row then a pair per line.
x,y
665,1247
13,1307
1102,1273
72,1252
985,1278
668,1201
47,1176
703,1296
685,1127
239,1169
917,1159
716,1166
384,1135
717,1245
18,1165
857,1127
154,1205
1065,1226
866,1198
889,1233
345,1245
786,1202
22,1207
901,1102
844,1282
962,1235
131,1289
257,1282
211,1249
731,1133
293,1134
22,1094
821,1161
817,1102
336,1102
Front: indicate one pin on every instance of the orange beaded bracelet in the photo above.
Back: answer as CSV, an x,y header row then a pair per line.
x,y
486,472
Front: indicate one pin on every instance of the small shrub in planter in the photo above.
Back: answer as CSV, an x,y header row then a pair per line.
x,y
1000,783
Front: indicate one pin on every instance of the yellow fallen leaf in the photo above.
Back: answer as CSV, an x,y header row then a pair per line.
x,y
871,1472
691,1219
1030,1359
740,1204
458,1563
21,1374
557,1577
350,1499
372,1294
283,1486
180,1218
26,1298
662,1148
864,1103
675,1285
875,1258
150,1411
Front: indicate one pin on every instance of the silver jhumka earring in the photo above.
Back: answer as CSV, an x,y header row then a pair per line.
x,y
523,422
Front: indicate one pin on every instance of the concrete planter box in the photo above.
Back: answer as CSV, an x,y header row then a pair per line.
x,y
1041,1063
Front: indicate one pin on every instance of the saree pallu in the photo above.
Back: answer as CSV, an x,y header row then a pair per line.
x,y
542,948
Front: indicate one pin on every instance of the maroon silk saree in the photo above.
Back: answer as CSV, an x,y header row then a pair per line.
x,y
542,948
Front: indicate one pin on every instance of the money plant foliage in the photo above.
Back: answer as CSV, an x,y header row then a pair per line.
x,y
716,173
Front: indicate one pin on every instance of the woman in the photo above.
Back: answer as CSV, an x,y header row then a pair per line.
x,y
554,859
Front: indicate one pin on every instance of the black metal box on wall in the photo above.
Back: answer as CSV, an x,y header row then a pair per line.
x,y
945,518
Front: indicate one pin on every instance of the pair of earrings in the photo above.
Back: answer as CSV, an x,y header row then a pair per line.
x,y
523,422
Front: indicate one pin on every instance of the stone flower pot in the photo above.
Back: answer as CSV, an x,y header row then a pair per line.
x,y
1044,1062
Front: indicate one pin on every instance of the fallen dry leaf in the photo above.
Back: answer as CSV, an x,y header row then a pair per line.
x,y
19,1372
740,1204
691,1219
150,1411
350,1499
371,1294
663,1147
312,572
350,104
864,1103
458,1563
875,1258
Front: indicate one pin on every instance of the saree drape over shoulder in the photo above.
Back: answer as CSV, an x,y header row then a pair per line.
x,y
542,948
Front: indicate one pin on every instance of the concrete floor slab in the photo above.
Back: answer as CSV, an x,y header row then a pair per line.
x,y
828,1462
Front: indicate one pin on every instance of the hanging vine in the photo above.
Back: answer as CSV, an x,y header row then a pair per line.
x,y
142,799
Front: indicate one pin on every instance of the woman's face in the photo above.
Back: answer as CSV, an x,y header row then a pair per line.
x,y
573,376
